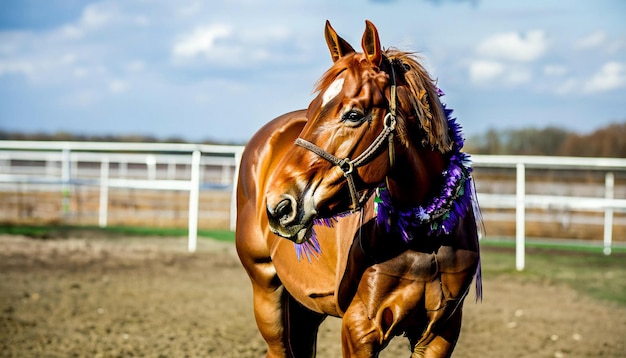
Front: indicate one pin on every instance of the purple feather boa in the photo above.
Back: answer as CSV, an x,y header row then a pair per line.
x,y
442,212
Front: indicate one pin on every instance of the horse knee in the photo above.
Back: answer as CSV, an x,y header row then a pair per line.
x,y
359,337
359,345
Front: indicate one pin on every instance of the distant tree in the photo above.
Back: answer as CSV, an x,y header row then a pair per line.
x,y
532,141
609,141
529,141
605,142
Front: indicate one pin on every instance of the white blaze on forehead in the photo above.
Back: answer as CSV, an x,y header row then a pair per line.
x,y
332,91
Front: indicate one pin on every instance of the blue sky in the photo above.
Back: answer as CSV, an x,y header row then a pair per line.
x,y
220,69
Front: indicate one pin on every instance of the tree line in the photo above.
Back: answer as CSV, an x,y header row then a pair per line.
x,y
609,141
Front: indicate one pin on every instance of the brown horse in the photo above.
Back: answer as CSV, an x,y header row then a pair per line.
x,y
388,240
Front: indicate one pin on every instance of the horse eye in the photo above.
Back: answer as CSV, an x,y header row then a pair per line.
x,y
353,116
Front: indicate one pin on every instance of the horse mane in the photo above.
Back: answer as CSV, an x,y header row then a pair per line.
x,y
420,95
423,98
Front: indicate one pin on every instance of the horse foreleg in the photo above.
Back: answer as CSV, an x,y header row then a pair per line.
x,y
268,313
267,290
359,335
441,342
301,326
289,329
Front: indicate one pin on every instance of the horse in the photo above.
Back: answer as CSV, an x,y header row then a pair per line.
x,y
360,207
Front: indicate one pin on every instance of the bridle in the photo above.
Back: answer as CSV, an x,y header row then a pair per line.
x,y
348,165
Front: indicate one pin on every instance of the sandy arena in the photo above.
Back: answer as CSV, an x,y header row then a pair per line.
x,y
147,297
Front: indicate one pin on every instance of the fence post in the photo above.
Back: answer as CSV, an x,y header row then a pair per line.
x,y
520,216
194,201
151,167
609,192
66,177
103,215
233,196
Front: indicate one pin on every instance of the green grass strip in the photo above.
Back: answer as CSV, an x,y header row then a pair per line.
x,y
61,231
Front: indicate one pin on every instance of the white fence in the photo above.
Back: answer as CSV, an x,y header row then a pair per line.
x,y
60,161
521,201
125,155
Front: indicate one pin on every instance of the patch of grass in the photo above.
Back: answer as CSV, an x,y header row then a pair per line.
x,y
591,273
569,245
220,235
65,231
31,231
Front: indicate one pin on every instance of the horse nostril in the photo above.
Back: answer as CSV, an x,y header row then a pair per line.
x,y
285,211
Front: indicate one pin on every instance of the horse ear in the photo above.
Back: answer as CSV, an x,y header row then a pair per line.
x,y
371,44
338,47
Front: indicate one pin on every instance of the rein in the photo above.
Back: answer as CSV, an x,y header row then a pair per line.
x,y
348,165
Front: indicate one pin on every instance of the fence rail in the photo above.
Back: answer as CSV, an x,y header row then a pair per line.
x,y
62,160
521,201
194,167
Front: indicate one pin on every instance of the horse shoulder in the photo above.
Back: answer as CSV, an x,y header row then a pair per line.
x,y
260,156
265,149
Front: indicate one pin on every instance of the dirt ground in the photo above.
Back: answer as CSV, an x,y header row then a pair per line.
x,y
124,297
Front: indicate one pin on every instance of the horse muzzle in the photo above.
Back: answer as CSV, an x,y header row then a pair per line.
x,y
287,219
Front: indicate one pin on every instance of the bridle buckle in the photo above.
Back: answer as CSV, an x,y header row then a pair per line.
x,y
347,166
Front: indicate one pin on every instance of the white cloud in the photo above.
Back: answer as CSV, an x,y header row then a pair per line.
x,y
95,16
494,72
225,46
201,40
592,40
481,71
514,47
611,76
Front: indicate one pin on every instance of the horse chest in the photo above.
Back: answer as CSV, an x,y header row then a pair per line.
x,y
311,282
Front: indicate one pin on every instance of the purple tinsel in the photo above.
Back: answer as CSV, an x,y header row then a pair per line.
x,y
442,212
311,247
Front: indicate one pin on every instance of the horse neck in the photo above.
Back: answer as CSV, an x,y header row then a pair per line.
x,y
416,176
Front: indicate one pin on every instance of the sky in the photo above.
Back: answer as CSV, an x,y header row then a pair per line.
x,y
218,70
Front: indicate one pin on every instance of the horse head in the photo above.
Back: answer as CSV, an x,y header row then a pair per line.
x,y
376,119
